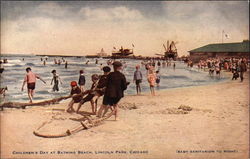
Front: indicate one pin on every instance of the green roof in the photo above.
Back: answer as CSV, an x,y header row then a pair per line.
x,y
224,47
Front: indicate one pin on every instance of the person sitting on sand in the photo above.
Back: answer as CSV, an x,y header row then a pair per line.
x,y
56,80
97,90
151,80
81,80
116,85
75,99
30,79
138,79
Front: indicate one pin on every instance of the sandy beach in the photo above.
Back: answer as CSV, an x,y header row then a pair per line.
x,y
148,126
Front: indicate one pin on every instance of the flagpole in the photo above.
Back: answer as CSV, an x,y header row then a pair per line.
x,y
222,36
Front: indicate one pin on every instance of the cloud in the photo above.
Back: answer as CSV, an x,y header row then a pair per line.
x,y
80,28
110,14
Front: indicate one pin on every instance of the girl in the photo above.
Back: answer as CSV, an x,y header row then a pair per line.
x,y
151,80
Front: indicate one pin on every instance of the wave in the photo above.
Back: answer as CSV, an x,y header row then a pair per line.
x,y
13,65
175,77
14,61
30,64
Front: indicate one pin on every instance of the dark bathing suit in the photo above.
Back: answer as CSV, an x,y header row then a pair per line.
x,y
31,86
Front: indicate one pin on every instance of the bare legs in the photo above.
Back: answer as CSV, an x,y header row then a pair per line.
x,y
113,108
82,88
138,89
152,90
70,106
30,94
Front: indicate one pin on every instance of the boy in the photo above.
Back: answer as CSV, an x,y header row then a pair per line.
x,y
98,90
138,79
75,99
81,80
30,79
116,84
56,80
90,95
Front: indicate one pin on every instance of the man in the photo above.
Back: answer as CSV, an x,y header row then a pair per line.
x,y
116,84
30,79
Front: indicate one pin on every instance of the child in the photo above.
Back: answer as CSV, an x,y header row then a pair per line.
x,y
75,99
3,90
90,95
116,84
30,79
138,79
157,78
56,80
151,80
97,90
81,80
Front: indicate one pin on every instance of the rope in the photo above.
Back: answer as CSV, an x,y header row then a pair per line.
x,y
84,125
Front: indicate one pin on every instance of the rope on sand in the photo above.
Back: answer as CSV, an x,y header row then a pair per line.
x,y
84,125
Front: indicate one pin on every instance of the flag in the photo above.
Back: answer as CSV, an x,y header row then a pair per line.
x,y
226,35
133,45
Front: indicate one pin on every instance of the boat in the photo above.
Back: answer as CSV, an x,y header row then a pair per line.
x,y
122,53
98,55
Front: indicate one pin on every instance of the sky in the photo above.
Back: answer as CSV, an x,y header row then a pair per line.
x,y
85,27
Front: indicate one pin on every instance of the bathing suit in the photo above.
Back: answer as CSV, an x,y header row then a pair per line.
x,y
31,85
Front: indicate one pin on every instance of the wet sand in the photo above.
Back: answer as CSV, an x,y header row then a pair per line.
x,y
148,126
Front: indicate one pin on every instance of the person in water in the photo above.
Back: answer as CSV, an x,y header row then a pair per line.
x,y
138,79
56,80
158,78
81,80
151,80
30,79
116,85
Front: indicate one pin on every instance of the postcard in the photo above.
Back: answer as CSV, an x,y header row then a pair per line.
x,y
124,79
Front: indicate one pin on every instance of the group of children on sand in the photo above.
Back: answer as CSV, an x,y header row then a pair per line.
x,y
111,85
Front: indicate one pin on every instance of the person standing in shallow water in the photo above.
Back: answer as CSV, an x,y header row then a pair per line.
x,y
81,80
56,80
138,79
66,64
116,85
243,68
30,79
151,80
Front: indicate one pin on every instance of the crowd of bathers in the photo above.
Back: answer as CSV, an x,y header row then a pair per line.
x,y
235,65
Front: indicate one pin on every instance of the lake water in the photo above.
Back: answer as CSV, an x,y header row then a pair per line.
x,y
14,73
